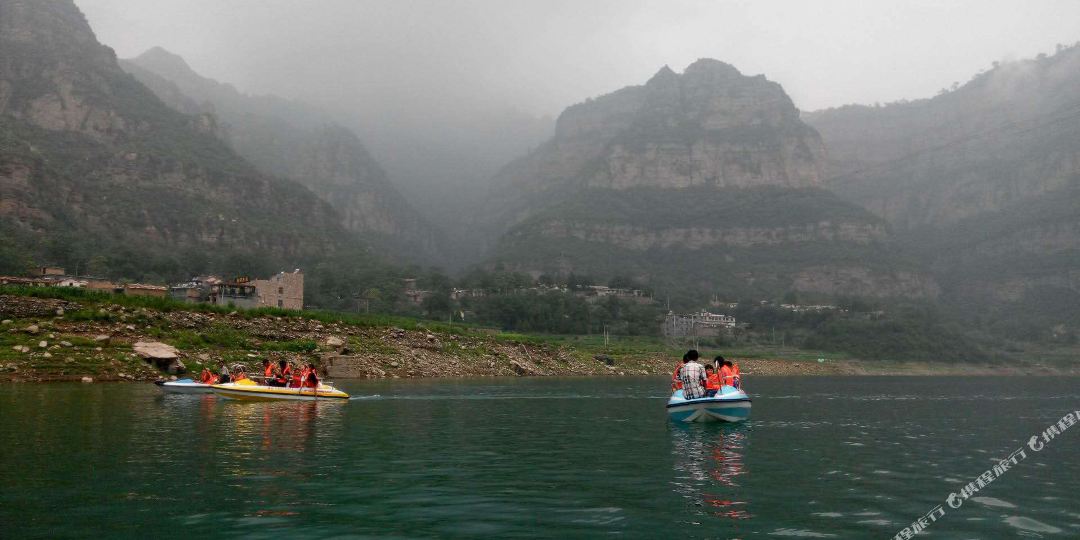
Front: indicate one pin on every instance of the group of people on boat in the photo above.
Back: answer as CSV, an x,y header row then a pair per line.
x,y
696,380
280,375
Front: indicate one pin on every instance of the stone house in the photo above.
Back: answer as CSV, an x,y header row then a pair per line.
x,y
283,290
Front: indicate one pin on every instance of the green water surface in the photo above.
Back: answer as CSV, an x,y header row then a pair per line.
x,y
853,457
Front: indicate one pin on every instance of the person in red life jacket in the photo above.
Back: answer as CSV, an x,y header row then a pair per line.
x,y
712,381
305,374
310,377
240,374
281,374
726,376
297,377
207,377
268,372
736,376
676,384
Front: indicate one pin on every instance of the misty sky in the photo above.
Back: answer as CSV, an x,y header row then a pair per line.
x,y
540,56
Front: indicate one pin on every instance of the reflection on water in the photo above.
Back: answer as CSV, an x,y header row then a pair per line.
x,y
708,464
540,458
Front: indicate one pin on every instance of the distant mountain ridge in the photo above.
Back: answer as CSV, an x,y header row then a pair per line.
x,y
983,181
299,142
706,180
980,147
93,166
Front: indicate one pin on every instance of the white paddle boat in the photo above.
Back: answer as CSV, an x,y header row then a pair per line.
x,y
730,404
184,386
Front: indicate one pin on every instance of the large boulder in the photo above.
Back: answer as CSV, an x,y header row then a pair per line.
x,y
607,360
521,369
162,355
334,341
155,350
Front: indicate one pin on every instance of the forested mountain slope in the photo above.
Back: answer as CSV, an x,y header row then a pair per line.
x,y
292,140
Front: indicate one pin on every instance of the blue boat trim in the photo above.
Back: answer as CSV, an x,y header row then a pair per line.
x,y
729,405
706,400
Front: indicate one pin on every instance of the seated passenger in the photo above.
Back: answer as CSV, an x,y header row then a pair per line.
x,y
726,376
207,377
268,372
240,375
712,381
692,376
676,384
281,374
311,379
737,377
224,377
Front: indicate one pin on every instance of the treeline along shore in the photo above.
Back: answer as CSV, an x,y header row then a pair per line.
x,y
49,334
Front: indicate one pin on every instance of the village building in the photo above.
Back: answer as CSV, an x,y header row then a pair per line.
x,y
594,293
26,282
141,289
54,276
700,324
458,294
817,308
283,290
241,294
194,291
414,295
102,285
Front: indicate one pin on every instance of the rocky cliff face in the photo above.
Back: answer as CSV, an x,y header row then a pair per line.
x,y
982,180
55,74
705,180
1004,137
710,126
292,140
92,164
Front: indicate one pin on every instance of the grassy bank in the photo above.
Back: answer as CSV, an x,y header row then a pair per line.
x,y
67,334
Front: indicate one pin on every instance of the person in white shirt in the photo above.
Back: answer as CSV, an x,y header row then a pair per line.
x,y
692,376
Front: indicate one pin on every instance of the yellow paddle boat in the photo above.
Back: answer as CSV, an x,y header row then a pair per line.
x,y
246,389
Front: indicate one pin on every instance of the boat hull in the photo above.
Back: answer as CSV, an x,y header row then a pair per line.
x,y
184,387
271,393
731,405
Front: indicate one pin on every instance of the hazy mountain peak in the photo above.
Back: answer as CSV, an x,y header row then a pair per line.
x,y
164,62
711,66
664,75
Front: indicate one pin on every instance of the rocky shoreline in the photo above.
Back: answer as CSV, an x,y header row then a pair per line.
x,y
58,340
